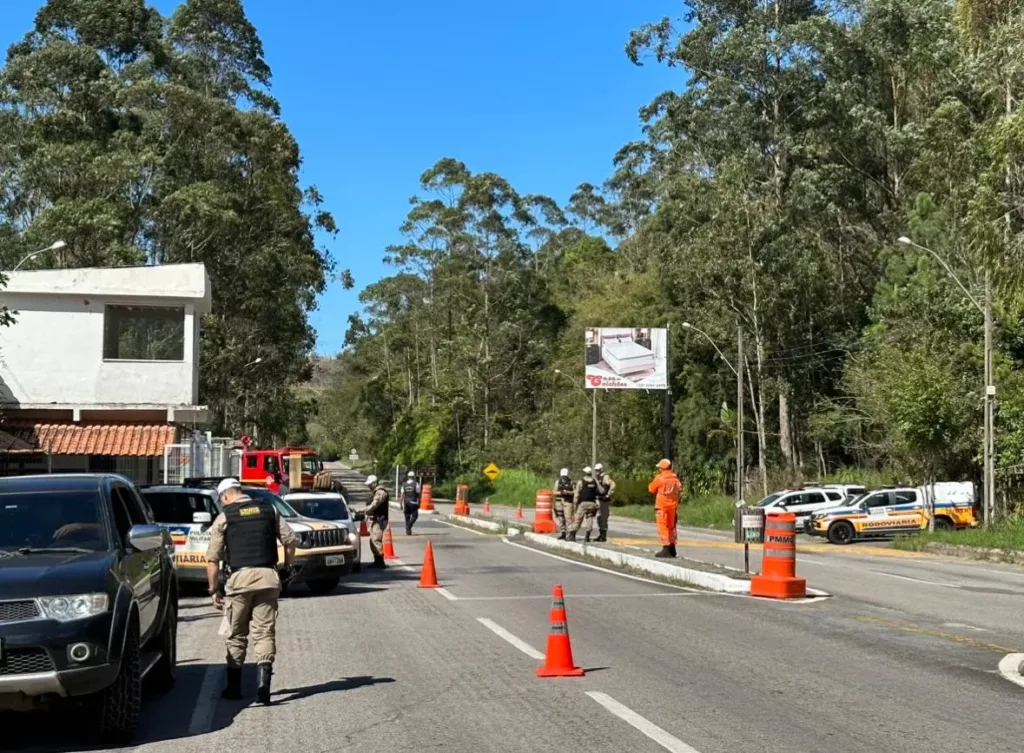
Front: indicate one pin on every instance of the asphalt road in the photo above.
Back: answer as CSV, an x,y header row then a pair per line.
x,y
384,666
983,597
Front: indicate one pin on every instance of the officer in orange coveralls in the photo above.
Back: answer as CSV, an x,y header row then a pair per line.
x,y
668,488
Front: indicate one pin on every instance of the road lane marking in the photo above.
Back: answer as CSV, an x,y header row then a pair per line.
x,y
935,634
605,569
1009,668
965,627
916,580
206,703
465,528
501,632
648,728
400,565
583,596
446,593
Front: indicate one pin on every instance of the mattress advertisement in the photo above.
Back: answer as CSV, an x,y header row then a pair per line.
x,y
627,358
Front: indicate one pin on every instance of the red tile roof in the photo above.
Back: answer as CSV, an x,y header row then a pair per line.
x,y
140,440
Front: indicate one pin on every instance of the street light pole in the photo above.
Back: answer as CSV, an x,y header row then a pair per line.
x,y
55,246
739,398
593,424
989,472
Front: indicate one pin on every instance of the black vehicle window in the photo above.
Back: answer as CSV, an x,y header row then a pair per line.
x,y
270,464
329,508
131,504
52,519
250,461
833,496
122,522
177,507
813,498
905,497
878,500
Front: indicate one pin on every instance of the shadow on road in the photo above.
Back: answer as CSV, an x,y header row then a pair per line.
x,y
333,686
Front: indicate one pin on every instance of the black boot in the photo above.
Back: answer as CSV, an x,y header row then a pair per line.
x,y
602,536
571,536
561,536
672,549
264,671
586,539
378,562
665,553
233,689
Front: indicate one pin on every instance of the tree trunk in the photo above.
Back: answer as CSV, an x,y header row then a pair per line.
x,y
786,429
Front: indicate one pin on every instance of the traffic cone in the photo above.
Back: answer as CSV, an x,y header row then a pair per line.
x,y
389,545
558,659
428,576
363,530
519,512
487,507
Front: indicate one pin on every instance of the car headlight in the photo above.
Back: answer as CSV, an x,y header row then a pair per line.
x,y
77,607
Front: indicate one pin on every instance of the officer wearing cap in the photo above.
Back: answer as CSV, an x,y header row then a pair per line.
x,y
244,537
377,517
585,501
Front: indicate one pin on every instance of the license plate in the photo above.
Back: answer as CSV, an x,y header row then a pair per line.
x,y
334,560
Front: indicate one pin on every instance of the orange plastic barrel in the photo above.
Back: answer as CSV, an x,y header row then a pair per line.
x,y
462,499
778,561
543,520
426,500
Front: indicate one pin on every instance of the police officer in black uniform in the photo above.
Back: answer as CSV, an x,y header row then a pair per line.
x,y
410,502
244,537
565,511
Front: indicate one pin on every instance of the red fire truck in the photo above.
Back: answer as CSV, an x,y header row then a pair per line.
x,y
273,467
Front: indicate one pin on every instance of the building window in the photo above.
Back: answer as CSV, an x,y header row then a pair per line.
x,y
143,333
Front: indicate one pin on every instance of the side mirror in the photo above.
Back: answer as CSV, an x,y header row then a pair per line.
x,y
202,518
146,538
781,506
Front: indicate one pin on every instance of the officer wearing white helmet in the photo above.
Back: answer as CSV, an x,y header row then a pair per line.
x,y
377,519
564,510
585,500
605,490
410,501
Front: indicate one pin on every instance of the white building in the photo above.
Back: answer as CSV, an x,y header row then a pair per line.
x,y
101,369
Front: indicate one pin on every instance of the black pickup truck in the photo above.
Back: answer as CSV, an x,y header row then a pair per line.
x,y
88,599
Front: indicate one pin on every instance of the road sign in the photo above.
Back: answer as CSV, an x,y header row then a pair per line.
x,y
492,472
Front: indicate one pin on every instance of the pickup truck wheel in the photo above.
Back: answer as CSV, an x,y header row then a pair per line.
x,y
325,586
944,524
840,532
165,672
118,706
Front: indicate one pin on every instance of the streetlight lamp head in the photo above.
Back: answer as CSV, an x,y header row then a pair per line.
x,y
259,359
57,245
905,240
558,371
687,325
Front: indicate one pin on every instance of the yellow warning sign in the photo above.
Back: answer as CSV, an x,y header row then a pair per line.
x,y
492,472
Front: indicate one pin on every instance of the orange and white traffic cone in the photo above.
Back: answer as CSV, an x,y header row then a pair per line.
x,y
558,659
428,575
389,545
487,507
363,530
519,512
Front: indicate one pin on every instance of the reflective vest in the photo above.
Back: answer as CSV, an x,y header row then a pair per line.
x,y
251,534
409,493
588,490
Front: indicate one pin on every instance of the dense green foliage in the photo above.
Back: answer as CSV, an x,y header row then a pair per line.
x,y
144,140
767,195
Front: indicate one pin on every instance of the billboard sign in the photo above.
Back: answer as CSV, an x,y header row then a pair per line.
x,y
626,358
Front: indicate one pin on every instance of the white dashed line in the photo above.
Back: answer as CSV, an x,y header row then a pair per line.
x,y
916,580
206,703
1009,668
399,565
605,569
651,730
501,632
446,593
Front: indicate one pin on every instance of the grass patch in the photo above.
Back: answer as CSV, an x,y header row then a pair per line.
x,y
699,512
1007,534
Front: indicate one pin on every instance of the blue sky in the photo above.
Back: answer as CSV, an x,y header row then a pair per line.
x,y
539,91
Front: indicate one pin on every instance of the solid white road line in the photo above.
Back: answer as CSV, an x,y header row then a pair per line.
x,y
206,703
653,731
1009,667
605,569
465,528
400,565
501,632
446,593
582,596
916,580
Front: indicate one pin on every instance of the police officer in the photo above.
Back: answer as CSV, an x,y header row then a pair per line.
x,y
585,501
604,500
410,502
377,519
564,510
244,537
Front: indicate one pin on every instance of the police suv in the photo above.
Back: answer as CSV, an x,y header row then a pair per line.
x,y
809,499
894,510
324,554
